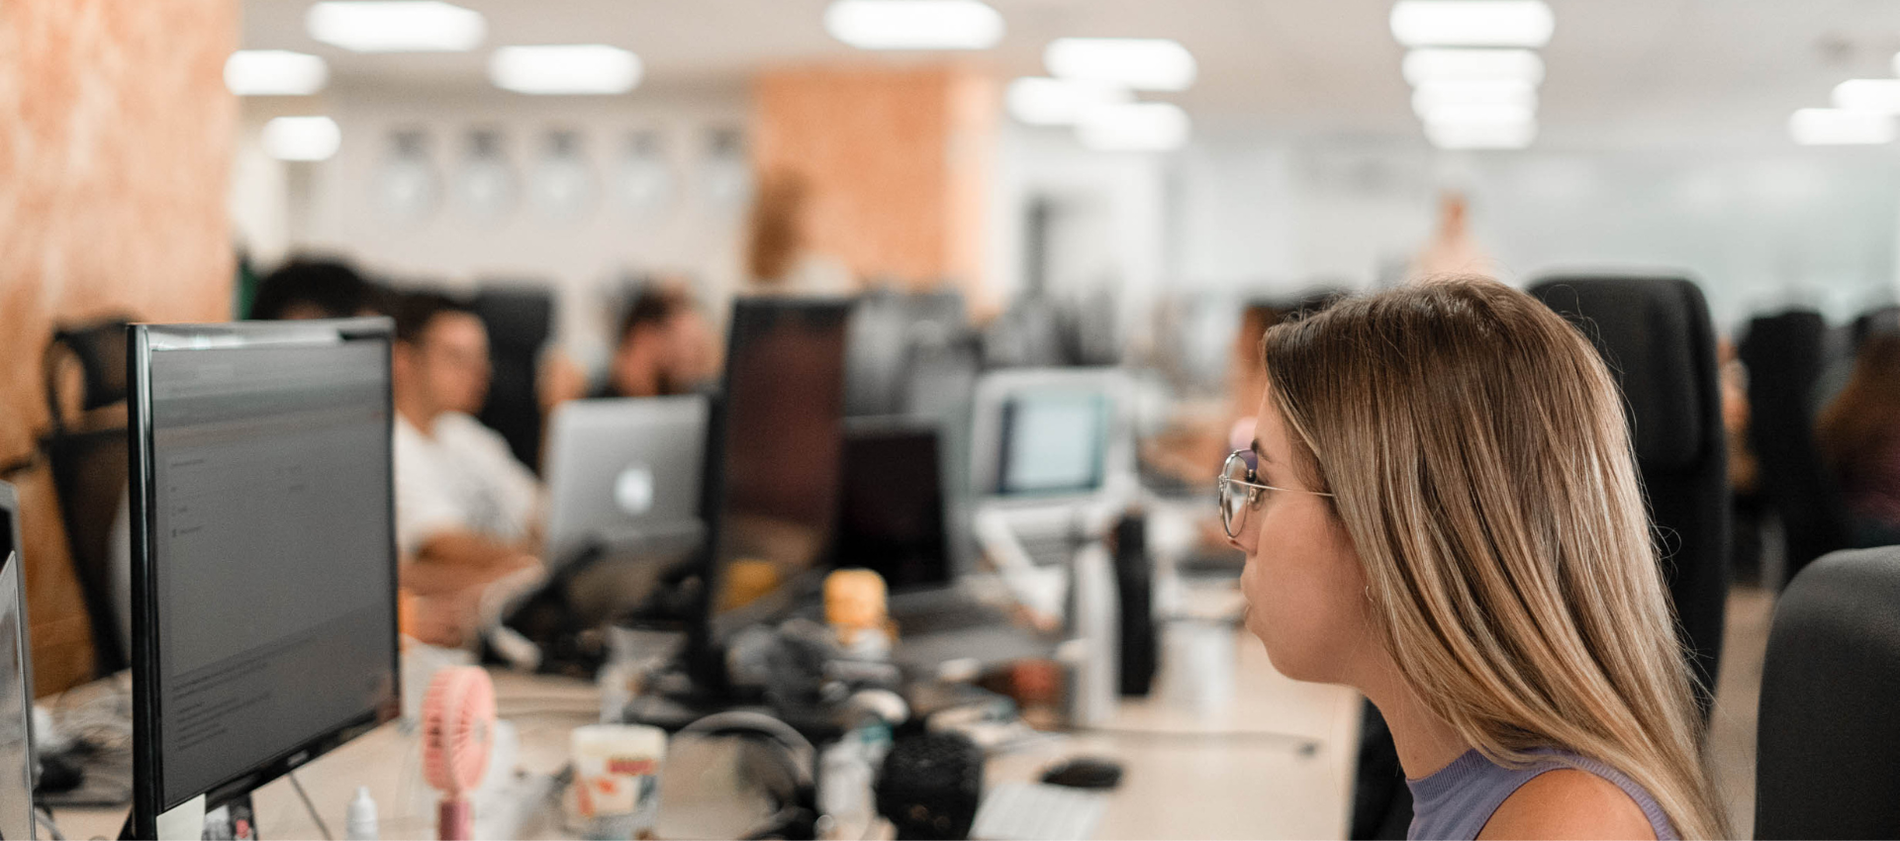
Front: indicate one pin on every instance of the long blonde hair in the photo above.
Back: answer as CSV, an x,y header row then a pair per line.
x,y
1481,464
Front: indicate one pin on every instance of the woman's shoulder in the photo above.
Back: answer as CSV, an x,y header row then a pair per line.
x,y
1569,803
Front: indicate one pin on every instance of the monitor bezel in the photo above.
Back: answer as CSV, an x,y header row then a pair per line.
x,y
14,553
148,799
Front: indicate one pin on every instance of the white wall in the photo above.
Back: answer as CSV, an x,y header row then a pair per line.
x,y
1759,230
330,208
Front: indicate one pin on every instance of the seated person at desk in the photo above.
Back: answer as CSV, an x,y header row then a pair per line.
x,y
1859,435
466,510
665,347
304,288
1440,508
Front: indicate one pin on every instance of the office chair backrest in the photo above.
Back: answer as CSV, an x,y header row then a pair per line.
x,y
88,457
1785,354
1828,744
519,320
1656,336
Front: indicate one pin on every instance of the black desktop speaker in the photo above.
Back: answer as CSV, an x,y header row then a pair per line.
x,y
931,785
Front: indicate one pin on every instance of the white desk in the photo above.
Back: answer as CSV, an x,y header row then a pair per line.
x,y
1194,767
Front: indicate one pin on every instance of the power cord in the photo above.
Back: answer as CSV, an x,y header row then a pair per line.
x,y
45,820
321,826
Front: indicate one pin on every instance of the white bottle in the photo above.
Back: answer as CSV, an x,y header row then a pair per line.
x,y
362,823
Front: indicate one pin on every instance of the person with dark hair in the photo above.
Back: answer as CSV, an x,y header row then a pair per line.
x,y
1859,435
304,288
467,512
664,347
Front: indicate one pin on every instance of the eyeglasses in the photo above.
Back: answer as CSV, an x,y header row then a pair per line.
x,y
1241,490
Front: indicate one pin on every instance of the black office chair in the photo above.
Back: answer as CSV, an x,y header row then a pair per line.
x,y
519,320
1827,759
87,453
1656,336
1785,354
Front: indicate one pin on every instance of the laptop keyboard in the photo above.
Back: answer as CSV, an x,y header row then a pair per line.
x,y
944,617
1048,550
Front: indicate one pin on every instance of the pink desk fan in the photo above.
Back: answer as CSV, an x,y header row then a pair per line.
x,y
458,725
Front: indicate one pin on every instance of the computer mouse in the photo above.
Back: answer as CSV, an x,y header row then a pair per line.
x,y
1085,772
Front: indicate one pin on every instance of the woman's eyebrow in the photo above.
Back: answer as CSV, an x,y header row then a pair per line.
x,y
1258,452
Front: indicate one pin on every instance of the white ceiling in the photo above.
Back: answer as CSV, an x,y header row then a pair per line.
x,y
1621,73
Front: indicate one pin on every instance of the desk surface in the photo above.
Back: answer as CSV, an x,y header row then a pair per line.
x,y
1208,756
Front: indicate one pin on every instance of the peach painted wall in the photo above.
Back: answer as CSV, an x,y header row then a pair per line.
x,y
898,161
115,142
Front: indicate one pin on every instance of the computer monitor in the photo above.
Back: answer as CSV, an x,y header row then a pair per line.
x,y
1052,443
1050,434
263,552
891,505
779,444
624,475
16,681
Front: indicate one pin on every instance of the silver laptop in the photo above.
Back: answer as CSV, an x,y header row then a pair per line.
x,y
16,681
624,475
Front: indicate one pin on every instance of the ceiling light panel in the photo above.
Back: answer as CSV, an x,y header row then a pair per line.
x,y
395,26
575,69
301,138
1147,64
914,24
1472,23
274,73
1425,66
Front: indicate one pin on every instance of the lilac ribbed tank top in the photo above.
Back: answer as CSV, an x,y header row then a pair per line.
x,y
1457,801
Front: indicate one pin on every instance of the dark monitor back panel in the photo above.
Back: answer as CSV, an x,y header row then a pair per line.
x,y
783,434
891,506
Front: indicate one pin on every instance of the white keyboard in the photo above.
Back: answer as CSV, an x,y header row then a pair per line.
x,y
1037,812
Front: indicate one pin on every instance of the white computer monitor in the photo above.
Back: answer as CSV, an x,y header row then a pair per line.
x,y
16,681
1051,435
624,475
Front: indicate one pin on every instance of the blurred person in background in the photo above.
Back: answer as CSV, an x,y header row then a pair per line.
x,y
1452,249
306,288
779,260
467,513
1859,436
665,347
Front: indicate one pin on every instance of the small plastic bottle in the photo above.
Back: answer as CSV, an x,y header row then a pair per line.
x,y
362,823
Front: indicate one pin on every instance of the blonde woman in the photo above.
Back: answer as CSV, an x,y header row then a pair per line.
x,y
1440,508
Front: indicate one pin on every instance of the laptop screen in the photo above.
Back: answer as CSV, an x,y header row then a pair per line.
x,y
1053,443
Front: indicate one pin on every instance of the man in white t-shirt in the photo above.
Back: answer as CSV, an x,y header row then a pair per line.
x,y
467,513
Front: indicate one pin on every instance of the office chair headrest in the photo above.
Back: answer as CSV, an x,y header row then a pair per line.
x,y
517,317
1654,334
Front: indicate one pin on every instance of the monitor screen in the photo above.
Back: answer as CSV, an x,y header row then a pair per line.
x,y
16,682
1053,442
891,506
264,558
784,410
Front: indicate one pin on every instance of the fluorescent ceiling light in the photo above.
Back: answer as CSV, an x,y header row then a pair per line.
x,y
1041,101
914,24
274,73
1882,95
1433,96
1482,135
565,69
1833,127
1438,65
301,138
1146,64
396,26
1480,114
1472,23
1134,127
